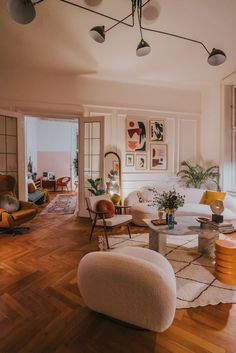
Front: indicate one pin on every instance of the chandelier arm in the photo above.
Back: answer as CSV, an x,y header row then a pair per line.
x,y
177,36
121,21
96,12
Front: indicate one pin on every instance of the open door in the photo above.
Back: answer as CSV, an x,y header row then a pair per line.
x,y
12,148
91,156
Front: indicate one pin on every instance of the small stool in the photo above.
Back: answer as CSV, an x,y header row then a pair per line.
x,y
225,265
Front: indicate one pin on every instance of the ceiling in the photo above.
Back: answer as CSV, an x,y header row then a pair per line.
x,y
58,41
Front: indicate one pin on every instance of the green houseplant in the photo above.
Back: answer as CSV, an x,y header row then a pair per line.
x,y
195,175
96,186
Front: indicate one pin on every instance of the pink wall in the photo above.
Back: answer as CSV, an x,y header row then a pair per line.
x,y
56,162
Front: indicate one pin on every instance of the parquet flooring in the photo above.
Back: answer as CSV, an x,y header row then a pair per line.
x,y
41,310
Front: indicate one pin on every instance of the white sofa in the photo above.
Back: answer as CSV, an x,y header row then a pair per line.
x,y
139,200
131,284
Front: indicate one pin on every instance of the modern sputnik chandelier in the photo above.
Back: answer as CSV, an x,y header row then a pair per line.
x,y
23,11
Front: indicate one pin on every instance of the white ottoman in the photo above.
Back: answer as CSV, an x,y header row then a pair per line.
x,y
131,284
141,211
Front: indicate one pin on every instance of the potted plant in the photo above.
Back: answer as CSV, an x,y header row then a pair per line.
x,y
168,201
96,186
195,175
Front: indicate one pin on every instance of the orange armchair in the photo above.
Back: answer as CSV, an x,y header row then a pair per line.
x,y
9,221
64,181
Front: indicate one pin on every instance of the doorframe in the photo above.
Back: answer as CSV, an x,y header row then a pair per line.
x,y
82,212
20,150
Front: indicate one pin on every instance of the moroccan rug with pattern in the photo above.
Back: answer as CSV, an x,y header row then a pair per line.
x,y
196,284
61,204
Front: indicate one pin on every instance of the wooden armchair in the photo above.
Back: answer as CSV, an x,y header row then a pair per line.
x,y
99,219
10,221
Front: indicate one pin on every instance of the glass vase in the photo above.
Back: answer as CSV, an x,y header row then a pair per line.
x,y
170,220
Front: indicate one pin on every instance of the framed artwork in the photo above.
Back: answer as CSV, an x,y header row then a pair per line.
x,y
141,161
129,160
116,166
136,135
158,156
157,130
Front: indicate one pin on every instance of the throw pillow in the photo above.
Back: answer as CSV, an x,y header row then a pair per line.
x,y
9,203
140,199
107,207
31,187
209,196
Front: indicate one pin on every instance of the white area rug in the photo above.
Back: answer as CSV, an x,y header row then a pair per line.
x,y
196,284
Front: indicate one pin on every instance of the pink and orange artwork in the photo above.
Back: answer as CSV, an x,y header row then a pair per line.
x,y
136,135
158,156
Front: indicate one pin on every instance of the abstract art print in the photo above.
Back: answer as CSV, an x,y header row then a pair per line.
x,y
157,130
141,161
129,162
158,156
136,135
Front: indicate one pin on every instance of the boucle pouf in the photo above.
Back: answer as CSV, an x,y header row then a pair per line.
x,y
131,284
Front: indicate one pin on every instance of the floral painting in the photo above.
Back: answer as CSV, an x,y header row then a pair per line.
x,y
158,156
136,135
157,130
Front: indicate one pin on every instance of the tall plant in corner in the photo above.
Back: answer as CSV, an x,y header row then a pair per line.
x,y
195,175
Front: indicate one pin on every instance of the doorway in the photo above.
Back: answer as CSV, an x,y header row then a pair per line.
x,y
52,153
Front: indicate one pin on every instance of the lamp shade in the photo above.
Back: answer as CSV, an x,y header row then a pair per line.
x,y
216,57
22,11
98,34
143,48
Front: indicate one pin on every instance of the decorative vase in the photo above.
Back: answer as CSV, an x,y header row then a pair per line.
x,y
170,218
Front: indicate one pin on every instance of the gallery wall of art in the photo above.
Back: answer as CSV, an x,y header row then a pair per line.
x,y
151,145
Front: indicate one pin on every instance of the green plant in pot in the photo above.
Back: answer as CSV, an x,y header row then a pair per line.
x,y
96,186
168,201
195,175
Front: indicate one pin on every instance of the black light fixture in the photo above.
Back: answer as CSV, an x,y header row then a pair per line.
x,y
23,11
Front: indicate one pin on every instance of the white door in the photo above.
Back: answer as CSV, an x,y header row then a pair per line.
x,y
12,148
91,156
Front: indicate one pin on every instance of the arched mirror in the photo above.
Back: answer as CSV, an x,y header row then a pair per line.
x,y
112,174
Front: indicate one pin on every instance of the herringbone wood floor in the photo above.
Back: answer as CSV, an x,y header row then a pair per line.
x,y
41,310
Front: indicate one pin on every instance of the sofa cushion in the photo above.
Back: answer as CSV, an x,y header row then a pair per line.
x,y
191,195
209,196
230,203
9,203
107,207
200,210
146,194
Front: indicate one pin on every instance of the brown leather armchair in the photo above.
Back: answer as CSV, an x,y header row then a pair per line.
x,y
10,221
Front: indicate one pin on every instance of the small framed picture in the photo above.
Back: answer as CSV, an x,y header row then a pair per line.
x,y
158,156
116,166
157,130
141,161
129,160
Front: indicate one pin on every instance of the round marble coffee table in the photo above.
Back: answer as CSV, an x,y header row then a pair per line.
x,y
186,225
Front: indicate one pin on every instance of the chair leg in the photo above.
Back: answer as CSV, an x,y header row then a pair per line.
x,y
93,226
128,230
105,231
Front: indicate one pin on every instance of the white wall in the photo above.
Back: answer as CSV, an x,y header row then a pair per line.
x,y
31,125
210,133
51,145
181,138
70,95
